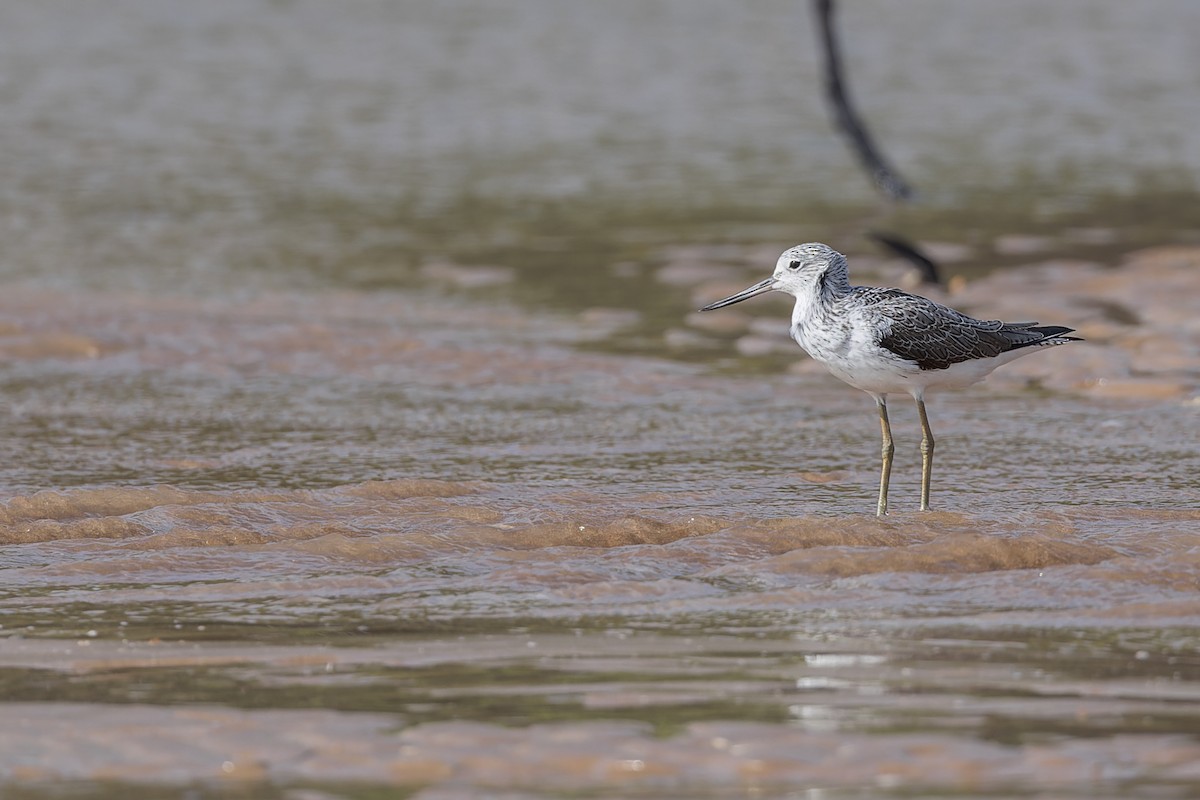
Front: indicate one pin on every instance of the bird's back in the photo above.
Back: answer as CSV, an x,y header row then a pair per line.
x,y
934,336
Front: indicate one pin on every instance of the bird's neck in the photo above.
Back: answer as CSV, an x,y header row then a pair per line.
x,y
820,296
833,282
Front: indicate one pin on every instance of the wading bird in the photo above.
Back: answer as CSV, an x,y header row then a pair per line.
x,y
887,340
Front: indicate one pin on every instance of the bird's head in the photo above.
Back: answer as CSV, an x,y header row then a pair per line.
x,y
802,269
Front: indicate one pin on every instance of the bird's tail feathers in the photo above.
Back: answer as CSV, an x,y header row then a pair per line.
x,y
1054,332
1048,335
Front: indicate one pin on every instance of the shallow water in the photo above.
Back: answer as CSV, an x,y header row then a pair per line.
x,y
337,539
361,438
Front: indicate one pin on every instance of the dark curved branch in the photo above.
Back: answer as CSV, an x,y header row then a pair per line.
x,y
926,266
846,118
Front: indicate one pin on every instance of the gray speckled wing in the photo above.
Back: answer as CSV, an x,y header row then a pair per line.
x,y
935,336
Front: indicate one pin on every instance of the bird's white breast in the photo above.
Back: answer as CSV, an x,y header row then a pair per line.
x,y
848,350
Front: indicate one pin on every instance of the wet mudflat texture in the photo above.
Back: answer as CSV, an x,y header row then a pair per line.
x,y
360,438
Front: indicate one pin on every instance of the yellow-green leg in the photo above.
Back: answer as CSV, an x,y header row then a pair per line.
x,y
888,448
926,454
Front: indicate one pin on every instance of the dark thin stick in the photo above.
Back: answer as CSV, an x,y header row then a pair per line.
x,y
846,117
930,273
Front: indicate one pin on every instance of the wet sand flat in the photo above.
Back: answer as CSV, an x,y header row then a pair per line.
x,y
603,573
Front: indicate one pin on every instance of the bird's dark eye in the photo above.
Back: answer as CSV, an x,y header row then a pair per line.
x,y
794,265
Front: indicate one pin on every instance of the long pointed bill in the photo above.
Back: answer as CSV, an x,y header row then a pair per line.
x,y
745,294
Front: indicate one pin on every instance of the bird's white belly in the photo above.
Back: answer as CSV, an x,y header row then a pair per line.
x,y
875,375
